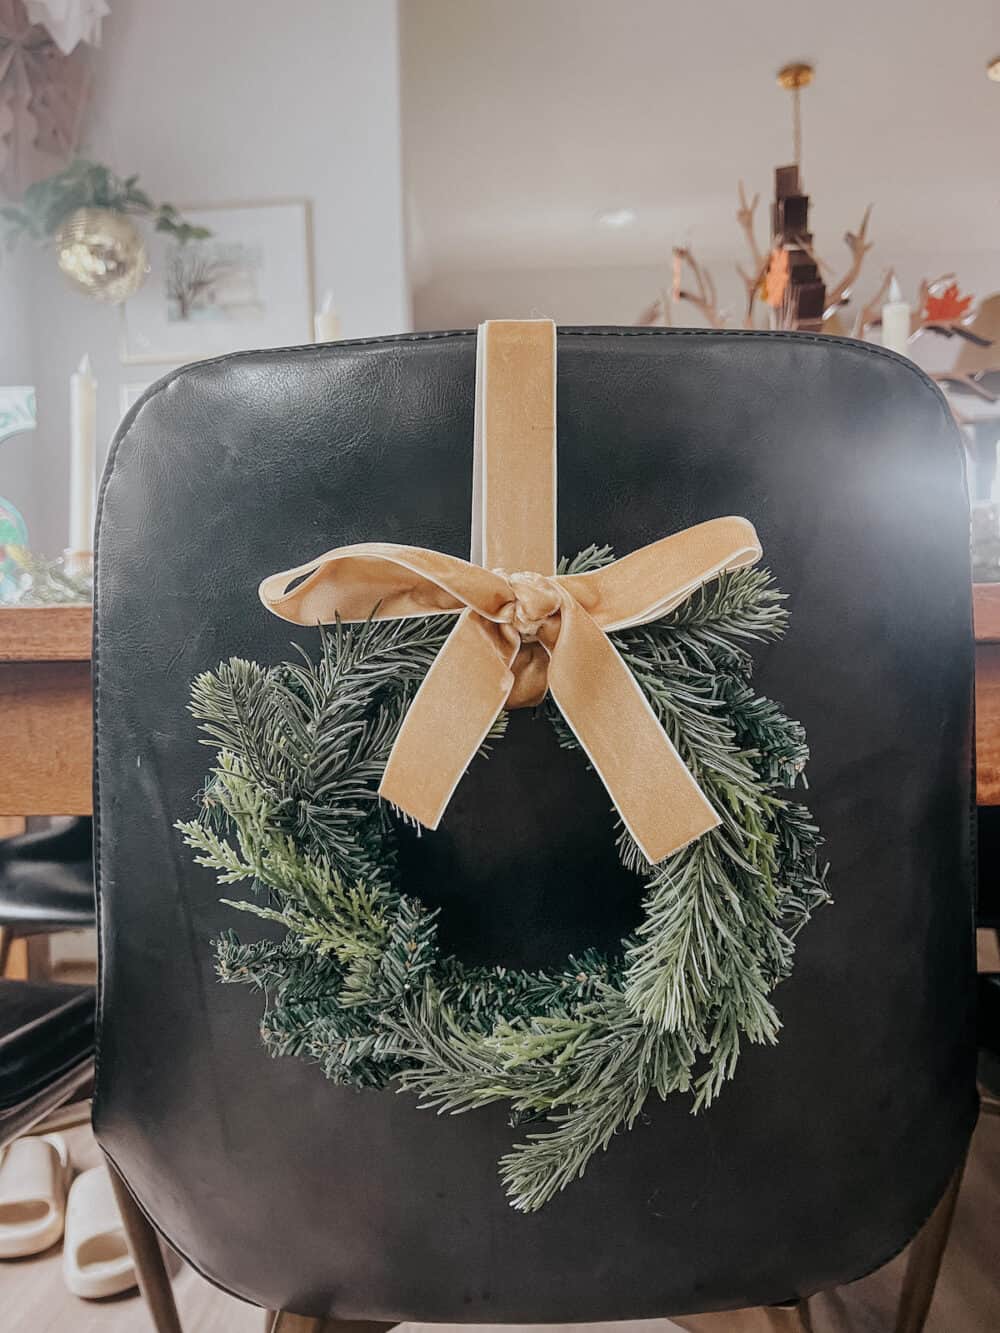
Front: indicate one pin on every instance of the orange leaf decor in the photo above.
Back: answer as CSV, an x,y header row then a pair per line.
x,y
776,278
947,308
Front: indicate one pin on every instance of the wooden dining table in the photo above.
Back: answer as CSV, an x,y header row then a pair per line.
x,y
45,722
45,710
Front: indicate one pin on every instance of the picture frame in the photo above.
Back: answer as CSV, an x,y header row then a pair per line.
x,y
129,393
248,285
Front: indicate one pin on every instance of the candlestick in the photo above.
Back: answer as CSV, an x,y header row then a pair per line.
x,y
327,322
896,321
83,440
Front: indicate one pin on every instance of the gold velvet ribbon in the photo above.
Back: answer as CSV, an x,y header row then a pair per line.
x,y
522,629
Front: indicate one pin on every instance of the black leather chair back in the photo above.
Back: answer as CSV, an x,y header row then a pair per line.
x,y
827,1152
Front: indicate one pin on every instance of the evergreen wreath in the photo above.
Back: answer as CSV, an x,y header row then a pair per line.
x,y
358,982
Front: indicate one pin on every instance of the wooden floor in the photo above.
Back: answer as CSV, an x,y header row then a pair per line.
x,y
33,1298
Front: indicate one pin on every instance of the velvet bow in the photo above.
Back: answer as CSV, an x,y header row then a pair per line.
x,y
523,632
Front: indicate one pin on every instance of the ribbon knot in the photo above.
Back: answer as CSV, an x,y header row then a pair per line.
x,y
536,600
519,636
533,615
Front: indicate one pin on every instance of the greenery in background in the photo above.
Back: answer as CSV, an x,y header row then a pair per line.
x,y
40,581
356,979
47,204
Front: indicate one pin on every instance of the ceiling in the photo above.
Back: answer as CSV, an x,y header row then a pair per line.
x,y
524,119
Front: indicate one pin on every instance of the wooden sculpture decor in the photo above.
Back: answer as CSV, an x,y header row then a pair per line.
x,y
787,279
793,286
788,283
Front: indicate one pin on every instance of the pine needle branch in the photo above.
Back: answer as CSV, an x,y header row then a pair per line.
x,y
358,981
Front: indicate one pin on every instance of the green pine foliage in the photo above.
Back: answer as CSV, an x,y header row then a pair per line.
x,y
48,203
352,973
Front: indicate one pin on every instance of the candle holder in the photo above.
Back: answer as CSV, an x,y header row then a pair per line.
x,y
78,564
31,579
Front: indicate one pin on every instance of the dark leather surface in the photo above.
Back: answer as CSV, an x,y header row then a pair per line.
x,y
989,1032
45,1029
67,838
47,878
827,1152
37,897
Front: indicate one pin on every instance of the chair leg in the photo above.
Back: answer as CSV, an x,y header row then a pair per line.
x,y
151,1270
40,958
794,1318
924,1261
6,940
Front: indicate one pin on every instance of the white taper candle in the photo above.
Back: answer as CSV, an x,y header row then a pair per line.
x,y
327,322
83,441
896,321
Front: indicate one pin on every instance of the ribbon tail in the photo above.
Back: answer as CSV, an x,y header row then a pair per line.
x,y
448,720
659,801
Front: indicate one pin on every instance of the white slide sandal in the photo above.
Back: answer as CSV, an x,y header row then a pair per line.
x,y
33,1177
96,1259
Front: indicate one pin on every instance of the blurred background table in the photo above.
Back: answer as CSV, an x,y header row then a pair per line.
x,y
987,618
45,721
45,708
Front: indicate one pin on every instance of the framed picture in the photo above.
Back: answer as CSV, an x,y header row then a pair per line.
x,y
129,395
17,409
250,284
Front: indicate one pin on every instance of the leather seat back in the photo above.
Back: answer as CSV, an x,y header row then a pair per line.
x,y
827,1152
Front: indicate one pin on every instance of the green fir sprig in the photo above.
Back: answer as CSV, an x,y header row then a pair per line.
x,y
355,978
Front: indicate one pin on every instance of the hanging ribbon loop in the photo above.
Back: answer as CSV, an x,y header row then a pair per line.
x,y
522,634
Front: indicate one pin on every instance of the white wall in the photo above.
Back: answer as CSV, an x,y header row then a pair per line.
x,y
217,101
462,298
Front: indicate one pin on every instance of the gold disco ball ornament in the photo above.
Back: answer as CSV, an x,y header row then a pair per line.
x,y
102,253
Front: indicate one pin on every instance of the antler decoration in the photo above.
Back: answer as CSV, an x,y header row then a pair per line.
x,y
701,293
656,315
752,281
703,297
745,216
859,245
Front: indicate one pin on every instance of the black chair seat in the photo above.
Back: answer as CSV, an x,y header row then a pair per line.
x,y
41,896
69,838
46,1047
47,879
